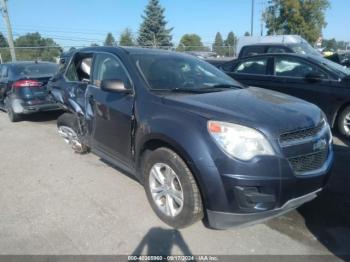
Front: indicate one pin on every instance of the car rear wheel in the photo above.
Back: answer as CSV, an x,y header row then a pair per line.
x,y
344,122
171,188
14,117
68,129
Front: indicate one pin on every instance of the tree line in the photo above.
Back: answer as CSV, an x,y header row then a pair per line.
x,y
302,17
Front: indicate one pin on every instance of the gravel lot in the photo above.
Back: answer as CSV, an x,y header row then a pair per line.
x,y
53,201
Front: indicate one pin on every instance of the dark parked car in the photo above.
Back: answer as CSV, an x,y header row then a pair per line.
x,y
23,88
342,59
200,143
314,79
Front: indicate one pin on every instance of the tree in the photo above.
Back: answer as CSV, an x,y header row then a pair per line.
x,y
218,45
330,44
153,31
109,41
334,44
302,17
191,42
38,47
246,33
3,41
230,43
4,51
126,38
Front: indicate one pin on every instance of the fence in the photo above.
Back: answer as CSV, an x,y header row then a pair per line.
x,y
52,53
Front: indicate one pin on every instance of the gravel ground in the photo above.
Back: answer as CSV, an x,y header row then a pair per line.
x,y
53,201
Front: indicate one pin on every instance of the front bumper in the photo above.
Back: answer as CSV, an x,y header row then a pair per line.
x,y
223,220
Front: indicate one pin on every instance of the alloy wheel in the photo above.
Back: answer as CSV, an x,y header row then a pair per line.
x,y
346,123
71,138
166,189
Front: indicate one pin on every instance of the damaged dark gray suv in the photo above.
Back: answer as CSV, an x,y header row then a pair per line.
x,y
202,145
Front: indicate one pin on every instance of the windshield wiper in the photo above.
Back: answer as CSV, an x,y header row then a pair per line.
x,y
222,86
185,90
214,88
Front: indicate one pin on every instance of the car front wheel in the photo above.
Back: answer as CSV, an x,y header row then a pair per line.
x,y
171,188
68,129
344,122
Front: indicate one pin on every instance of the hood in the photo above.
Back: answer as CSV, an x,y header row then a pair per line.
x,y
271,112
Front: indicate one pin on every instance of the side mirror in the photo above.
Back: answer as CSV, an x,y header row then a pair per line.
x,y
114,85
346,79
313,77
346,62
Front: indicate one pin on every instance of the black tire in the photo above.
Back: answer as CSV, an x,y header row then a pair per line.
x,y
192,210
69,120
342,119
10,112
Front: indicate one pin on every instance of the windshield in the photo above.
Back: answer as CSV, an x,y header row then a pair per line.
x,y
35,70
166,71
305,49
339,69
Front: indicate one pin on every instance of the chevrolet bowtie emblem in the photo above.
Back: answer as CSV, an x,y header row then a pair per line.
x,y
320,145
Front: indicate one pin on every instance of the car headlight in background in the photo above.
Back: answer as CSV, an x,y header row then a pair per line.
x,y
239,141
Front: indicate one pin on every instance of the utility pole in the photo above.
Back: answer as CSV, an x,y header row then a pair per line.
x,y
252,19
5,15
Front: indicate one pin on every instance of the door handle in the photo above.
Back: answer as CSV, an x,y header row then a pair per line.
x,y
91,100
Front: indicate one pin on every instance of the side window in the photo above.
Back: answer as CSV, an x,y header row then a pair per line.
x,y
3,72
252,50
80,68
71,73
254,66
108,67
276,50
227,67
294,67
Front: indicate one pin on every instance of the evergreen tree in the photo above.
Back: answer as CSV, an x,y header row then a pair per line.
x,y
246,33
153,31
218,45
230,44
109,41
301,17
126,38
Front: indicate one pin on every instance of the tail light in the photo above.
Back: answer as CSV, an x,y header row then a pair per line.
x,y
26,83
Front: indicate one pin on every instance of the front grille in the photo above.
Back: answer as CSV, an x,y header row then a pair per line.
x,y
299,135
307,163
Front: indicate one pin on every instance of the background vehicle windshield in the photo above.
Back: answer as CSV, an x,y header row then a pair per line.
x,y
170,71
35,70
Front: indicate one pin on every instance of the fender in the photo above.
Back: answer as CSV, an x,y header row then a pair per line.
x,y
76,107
164,131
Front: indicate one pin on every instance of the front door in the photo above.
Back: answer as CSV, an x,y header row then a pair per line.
x,y
290,77
112,112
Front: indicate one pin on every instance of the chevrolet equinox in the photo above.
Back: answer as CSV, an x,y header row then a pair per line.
x,y
203,145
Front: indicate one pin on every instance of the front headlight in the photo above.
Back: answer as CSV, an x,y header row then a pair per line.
x,y
239,141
